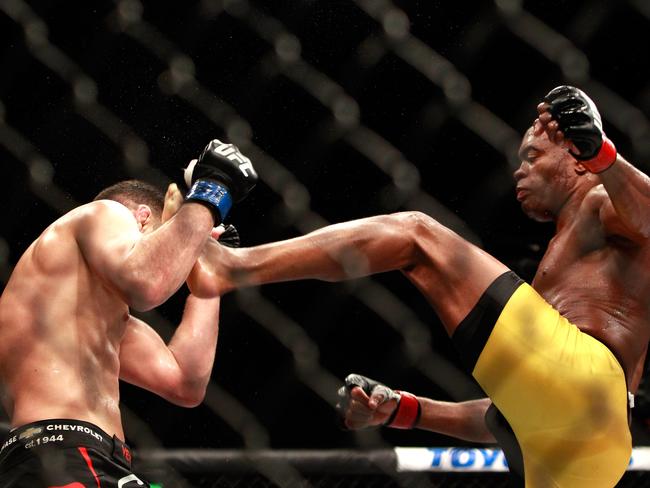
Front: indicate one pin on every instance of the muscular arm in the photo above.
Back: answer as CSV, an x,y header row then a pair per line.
x,y
180,371
462,420
145,269
629,190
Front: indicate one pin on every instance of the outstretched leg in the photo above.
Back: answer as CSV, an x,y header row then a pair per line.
x,y
451,272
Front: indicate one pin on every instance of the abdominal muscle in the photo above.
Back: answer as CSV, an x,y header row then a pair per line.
x,y
610,318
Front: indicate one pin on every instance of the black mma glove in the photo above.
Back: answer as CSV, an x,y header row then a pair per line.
x,y
405,416
578,118
229,237
220,176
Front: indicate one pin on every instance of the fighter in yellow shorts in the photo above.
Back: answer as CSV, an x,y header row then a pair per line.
x,y
557,358
523,353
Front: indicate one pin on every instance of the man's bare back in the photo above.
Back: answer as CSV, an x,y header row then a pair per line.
x,y
60,333
67,336
66,333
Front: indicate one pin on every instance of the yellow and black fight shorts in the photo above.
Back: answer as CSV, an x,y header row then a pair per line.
x,y
562,391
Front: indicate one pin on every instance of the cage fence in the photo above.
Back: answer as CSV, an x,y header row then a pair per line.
x,y
139,79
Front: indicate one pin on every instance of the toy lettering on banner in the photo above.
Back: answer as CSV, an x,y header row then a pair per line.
x,y
479,460
450,459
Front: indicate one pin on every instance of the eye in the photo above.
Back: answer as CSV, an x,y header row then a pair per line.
x,y
532,156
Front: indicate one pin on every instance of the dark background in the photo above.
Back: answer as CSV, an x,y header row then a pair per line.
x,y
348,109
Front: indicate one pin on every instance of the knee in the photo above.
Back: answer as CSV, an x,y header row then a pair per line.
x,y
426,235
415,225
419,230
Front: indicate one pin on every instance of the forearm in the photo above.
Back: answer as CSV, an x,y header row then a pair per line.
x,y
629,190
462,420
194,344
334,253
161,260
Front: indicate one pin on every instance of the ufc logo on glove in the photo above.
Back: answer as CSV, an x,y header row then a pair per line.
x,y
231,152
220,176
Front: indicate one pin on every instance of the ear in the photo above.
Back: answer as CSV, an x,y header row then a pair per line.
x,y
579,168
143,215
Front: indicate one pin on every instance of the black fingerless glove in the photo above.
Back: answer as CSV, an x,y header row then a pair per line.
x,y
229,237
578,118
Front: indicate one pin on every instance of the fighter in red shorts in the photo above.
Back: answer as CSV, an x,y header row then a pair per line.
x,y
67,335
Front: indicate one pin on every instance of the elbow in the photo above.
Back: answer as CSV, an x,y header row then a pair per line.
x,y
190,401
144,295
188,396
143,301
190,392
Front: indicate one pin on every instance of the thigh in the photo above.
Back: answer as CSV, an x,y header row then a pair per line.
x,y
21,472
452,273
46,468
108,473
72,467
562,391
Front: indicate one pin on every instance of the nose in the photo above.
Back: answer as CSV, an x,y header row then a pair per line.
x,y
520,172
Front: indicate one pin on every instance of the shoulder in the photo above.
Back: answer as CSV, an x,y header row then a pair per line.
x,y
81,228
105,208
595,199
599,204
102,220
596,207
103,213
82,219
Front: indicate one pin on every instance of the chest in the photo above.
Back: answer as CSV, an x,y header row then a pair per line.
x,y
579,248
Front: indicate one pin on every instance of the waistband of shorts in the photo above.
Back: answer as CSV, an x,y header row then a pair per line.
x,y
474,330
62,433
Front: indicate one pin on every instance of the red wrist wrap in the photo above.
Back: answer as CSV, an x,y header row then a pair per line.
x,y
407,414
604,159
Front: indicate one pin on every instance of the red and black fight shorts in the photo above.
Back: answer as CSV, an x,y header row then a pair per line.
x,y
64,453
